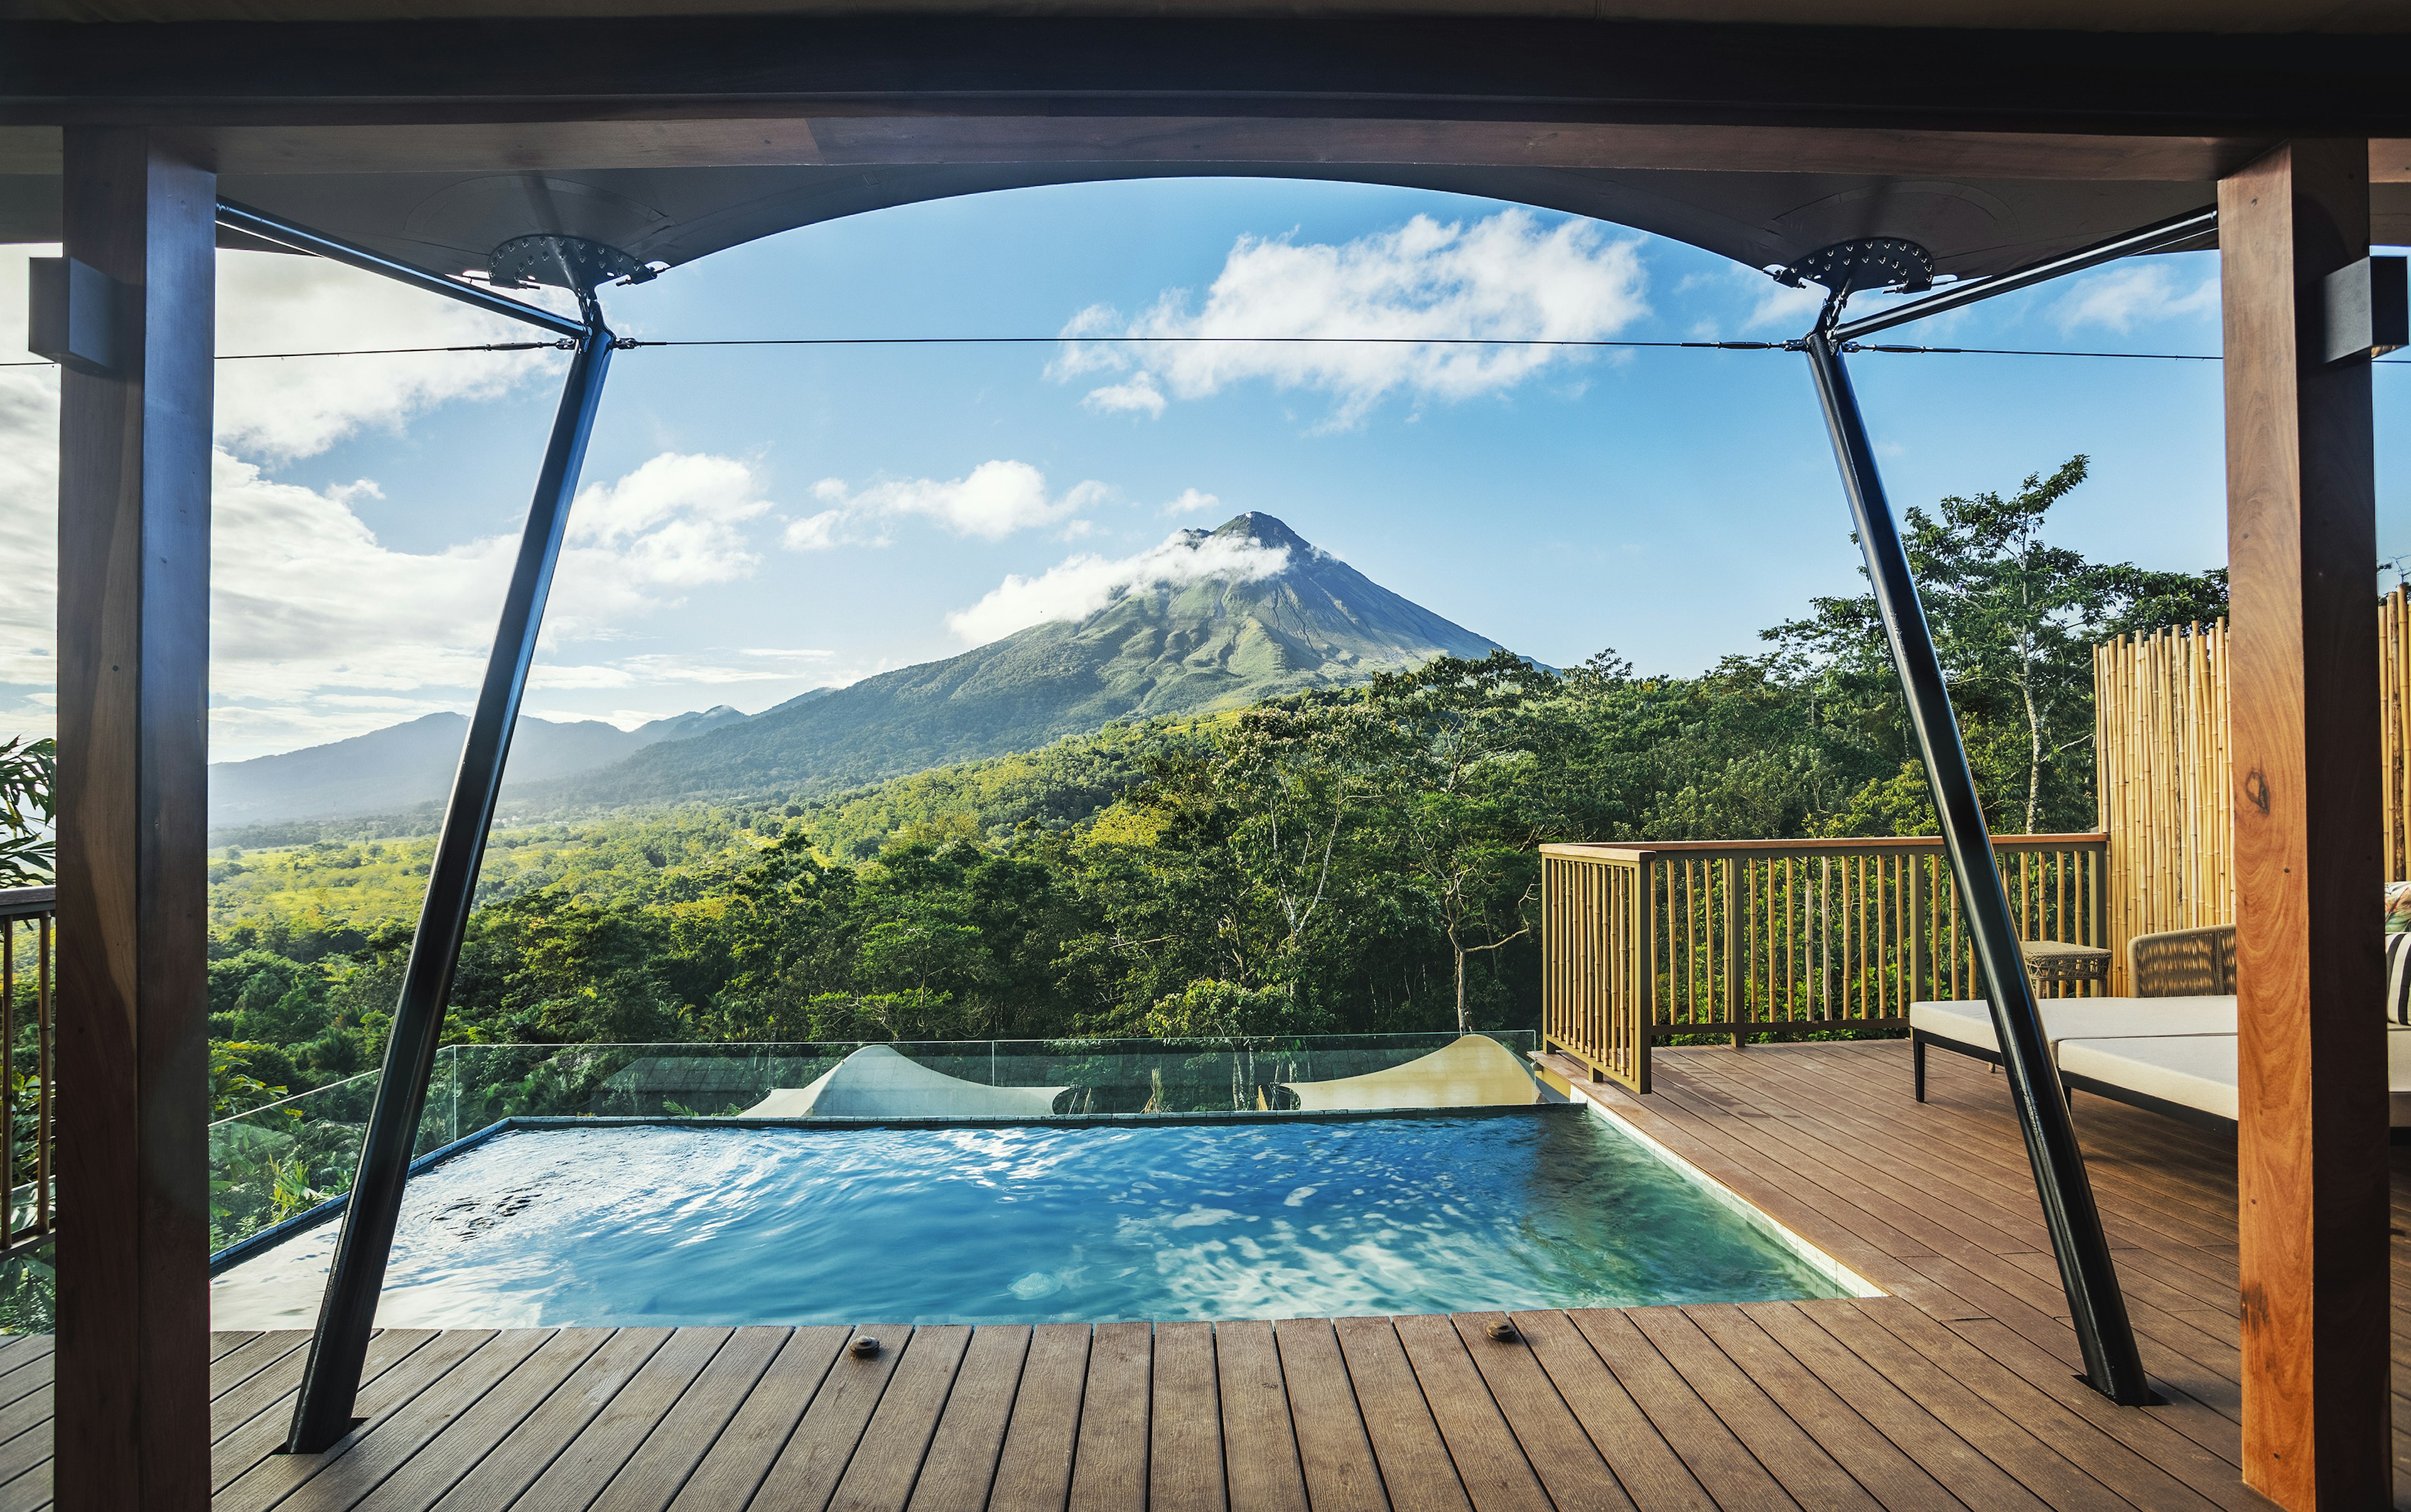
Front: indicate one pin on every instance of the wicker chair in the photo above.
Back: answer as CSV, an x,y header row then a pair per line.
x,y
2184,962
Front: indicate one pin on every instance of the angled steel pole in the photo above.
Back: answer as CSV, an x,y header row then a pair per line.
x,y
332,1379
2099,1309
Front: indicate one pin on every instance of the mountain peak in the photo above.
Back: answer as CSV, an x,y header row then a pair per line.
x,y
1266,531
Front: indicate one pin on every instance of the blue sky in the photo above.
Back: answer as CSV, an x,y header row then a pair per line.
x,y
766,520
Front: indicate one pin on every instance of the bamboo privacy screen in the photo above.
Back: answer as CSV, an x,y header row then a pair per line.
x,y
2165,795
2160,716
1645,943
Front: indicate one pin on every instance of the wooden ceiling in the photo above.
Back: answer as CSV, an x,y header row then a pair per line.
x,y
675,135
2255,16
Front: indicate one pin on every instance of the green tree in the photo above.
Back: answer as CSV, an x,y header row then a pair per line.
x,y
28,819
1453,802
2014,619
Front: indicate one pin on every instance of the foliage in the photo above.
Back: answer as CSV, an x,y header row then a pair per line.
x,y
28,816
2014,619
1354,859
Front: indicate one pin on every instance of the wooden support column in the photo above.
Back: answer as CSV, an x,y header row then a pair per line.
x,y
2303,549
132,1408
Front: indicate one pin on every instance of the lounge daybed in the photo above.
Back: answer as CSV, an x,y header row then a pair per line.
x,y
2172,1055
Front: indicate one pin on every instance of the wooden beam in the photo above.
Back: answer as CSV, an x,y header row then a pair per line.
x,y
133,1404
1366,67
2302,549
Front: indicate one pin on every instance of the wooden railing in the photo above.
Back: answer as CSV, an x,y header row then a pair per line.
x,y
1645,943
28,937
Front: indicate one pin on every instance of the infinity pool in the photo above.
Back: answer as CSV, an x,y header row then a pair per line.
x,y
1546,1207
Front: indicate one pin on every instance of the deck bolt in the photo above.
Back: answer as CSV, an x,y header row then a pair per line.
x,y
1503,1331
864,1347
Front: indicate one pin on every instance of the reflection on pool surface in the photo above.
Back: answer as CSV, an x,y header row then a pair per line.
x,y
1547,1208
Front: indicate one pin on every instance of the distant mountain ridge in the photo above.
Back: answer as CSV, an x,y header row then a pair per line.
x,y
405,764
1180,646
1280,616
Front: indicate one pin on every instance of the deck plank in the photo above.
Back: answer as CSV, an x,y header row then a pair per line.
x,y
968,1444
1184,1462
1788,1450
231,1370
1723,1465
33,1374
808,1470
764,1420
1648,1469
1334,1456
1954,1463
879,1477
243,1446
1034,1469
406,1409
1109,1469
1259,1441
603,1445
1882,1469
530,1447
391,1478
1416,1469
2070,1434
694,1426
1569,1465
1489,1460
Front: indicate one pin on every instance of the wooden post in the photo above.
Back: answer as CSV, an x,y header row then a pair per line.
x,y
133,1405
2302,549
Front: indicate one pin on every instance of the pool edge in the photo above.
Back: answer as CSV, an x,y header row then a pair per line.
x,y
1767,1225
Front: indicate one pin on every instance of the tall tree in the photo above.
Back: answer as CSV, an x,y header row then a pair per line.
x,y
2014,619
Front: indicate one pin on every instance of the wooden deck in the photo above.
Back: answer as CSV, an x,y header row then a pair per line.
x,y
1956,1391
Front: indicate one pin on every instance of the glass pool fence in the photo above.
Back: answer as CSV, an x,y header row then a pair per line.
x,y
279,1160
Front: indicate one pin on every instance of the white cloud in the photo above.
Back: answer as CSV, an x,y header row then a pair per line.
x,y
1792,310
996,499
2137,292
301,588
669,526
1192,501
699,669
298,406
1506,275
1080,585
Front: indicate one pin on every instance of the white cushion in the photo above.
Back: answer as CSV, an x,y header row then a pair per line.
x,y
2190,1070
2082,1017
2200,1070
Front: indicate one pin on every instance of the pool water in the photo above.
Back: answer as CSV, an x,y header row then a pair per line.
x,y
1545,1208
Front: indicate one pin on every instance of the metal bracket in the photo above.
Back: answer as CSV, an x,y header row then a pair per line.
x,y
72,316
570,262
1886,262
2365,310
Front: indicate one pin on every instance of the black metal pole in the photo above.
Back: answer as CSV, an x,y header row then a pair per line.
x,y
347,1315
2163,236
2097,1308
285,233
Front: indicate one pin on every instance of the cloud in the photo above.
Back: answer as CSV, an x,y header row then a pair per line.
x,y
318,629
1078,586
277,410
994,500
2138,292
668,526
658,669
1192,502
1793,310
1507,275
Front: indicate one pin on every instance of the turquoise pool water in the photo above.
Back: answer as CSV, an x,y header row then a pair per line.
x,y
1549,1207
